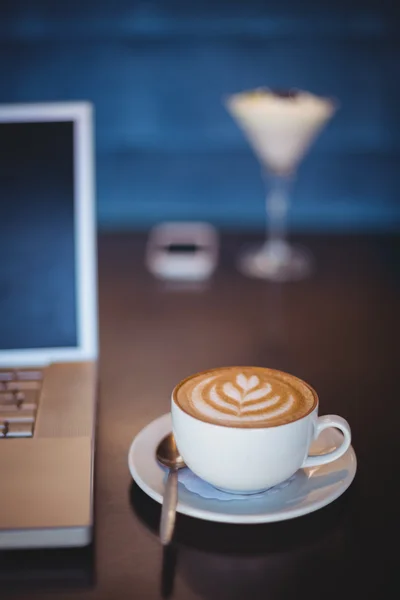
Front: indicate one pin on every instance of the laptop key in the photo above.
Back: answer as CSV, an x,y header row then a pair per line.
x,y
7,375
22,385
17,416
16,397
29,375
11,397
21,375
11,407
28,406
18,408
19,430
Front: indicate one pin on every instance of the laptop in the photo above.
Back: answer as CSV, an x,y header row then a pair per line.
x,y
48,325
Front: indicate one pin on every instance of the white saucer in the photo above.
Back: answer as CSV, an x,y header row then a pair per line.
x,y
310,489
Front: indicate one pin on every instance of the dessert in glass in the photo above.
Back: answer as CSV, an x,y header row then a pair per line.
x,y
280,126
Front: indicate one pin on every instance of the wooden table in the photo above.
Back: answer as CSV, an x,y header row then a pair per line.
x,y
339,331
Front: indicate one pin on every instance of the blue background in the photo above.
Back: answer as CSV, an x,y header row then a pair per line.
x,y
157,70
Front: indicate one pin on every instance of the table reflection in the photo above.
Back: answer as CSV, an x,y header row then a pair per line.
x,y
219,561
59,570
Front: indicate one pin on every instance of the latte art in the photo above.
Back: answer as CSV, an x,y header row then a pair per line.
x,y
245,397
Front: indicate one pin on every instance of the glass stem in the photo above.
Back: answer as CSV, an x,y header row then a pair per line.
x,y
277,205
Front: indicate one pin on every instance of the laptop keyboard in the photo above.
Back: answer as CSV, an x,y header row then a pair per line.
x,y
19,397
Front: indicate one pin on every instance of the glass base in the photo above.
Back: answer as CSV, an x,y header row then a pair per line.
x,y
276,261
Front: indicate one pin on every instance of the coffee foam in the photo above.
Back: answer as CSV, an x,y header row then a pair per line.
x,y
245,397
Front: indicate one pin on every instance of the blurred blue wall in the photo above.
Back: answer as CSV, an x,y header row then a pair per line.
x,y
156,71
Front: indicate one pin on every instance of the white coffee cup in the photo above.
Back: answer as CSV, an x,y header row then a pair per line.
x,y
249,460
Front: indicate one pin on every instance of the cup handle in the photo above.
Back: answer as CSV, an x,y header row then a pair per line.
x,y
324,423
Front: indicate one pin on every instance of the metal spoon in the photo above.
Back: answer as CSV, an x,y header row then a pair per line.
x,y
167,454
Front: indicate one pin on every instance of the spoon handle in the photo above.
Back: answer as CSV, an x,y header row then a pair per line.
x,y
168,511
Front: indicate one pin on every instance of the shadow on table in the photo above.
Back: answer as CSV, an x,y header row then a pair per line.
x,y
221,561
39,570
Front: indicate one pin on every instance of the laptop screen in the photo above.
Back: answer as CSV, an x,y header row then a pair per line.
x,y
37,244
